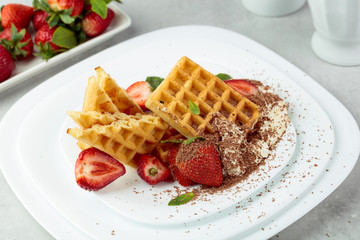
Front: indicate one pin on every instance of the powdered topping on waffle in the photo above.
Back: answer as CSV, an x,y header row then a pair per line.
x,y
188,81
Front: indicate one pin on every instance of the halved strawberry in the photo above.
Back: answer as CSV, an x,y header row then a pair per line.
x,y
18,14
181,178
152,170
140,92
17,41
95,169
242,86
203,167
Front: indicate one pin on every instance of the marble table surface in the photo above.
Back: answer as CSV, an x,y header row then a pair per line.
x,y
338,216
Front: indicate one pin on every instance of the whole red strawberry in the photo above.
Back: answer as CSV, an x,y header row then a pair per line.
x,y
18,14
152,170
7,64
181,178
93,25
17,41
203,167
39,19
95,169
43,39
60,5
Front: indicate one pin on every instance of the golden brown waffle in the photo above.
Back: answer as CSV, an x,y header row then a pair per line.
x,y
87,119
122,139
96,99
189,81
117,95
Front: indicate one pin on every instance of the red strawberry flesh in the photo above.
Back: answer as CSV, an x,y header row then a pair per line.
x,y
181,178
140,92
152,170
95,169
242,86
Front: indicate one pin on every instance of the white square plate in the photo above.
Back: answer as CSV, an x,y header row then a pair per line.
x,y
28,68
37,142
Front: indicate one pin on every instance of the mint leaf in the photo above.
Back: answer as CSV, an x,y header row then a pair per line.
x,y
172,141
64,37
99,6
182,199
224,76
190,140
154,81
193,107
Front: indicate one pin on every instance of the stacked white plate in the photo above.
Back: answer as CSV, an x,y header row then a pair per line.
x,y
319,150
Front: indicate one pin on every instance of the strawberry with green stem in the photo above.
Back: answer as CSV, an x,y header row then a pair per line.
x,y
17,41
152,170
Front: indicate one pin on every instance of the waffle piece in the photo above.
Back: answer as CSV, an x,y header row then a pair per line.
x,y
117,95
122,139
96,99
87,119
189,81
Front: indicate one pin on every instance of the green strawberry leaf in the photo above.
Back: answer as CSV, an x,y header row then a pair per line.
x,y
182,199
64,37
99,6
67,19
154,81
224,76
52,20
193,107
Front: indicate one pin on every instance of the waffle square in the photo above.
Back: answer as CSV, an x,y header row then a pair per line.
x,y
123,138
117,94
189,81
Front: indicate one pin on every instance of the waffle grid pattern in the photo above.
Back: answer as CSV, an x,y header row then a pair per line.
x,y
189,81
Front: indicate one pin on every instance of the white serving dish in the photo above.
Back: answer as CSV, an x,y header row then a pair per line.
x,y
26,69
35,140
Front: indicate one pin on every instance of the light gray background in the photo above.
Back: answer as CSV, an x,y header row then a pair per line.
x,y
338,217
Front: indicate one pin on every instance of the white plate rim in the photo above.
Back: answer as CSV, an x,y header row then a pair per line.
x,y
298,74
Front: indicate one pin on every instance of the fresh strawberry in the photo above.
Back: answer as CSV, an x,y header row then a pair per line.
x,y
17,41
152,170
60,5
242,86
18,14
204,167
140,92
7,64
43,40
95,169
39,19
93,25
181,178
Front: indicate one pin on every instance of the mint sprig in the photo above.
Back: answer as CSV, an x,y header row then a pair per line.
x,y
182,199
193,107
154,81
186,142
224,76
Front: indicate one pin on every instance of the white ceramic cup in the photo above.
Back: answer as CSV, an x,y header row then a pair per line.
x,y
337,36
273,8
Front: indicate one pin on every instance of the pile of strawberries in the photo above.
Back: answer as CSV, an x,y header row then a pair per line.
x,y
59,25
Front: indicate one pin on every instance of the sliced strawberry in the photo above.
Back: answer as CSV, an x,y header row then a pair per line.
x,y
95,169
7,64
18,14
181,178
152,170
242,86
93,25
17,41
203,167
140,92
39,19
